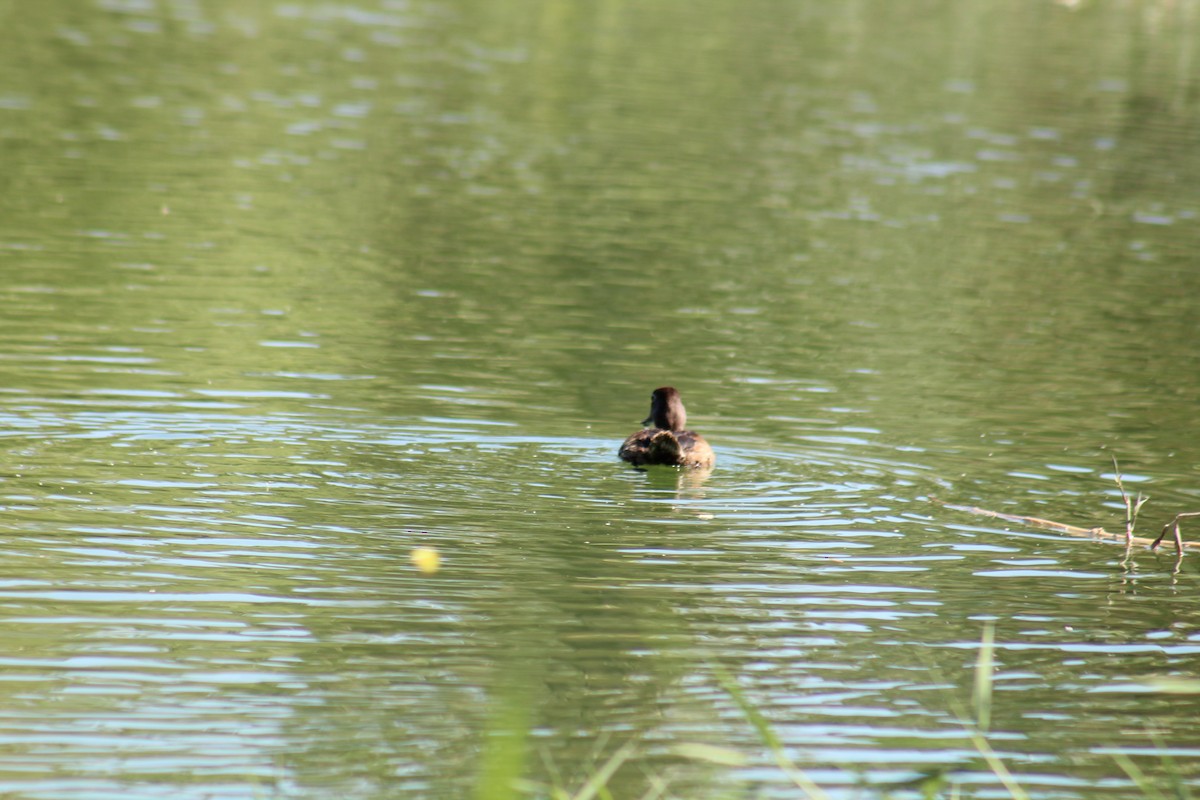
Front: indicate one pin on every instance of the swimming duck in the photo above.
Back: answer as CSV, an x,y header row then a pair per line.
x,y
667,442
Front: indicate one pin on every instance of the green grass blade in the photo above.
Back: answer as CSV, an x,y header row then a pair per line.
x,y
598,783
505,748
768,736
996,765
1144,784
985,665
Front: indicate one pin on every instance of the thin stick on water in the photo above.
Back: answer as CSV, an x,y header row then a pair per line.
x,y
1173,525
1131,508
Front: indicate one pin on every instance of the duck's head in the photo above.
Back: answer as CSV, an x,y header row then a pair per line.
x,y
666,410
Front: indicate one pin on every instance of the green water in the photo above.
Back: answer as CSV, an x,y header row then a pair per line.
x,y
290,289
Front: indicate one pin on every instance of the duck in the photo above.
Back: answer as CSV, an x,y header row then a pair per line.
x,y
667,442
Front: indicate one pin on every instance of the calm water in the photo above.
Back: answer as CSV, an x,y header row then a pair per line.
x,y
293,288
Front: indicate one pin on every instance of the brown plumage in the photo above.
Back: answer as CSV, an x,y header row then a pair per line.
x,y
667,442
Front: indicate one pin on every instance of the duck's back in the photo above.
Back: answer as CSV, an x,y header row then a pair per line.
x,y
695,450
636,447
672,448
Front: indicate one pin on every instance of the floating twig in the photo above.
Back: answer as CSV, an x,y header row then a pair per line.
x,y
1035,522
1072,530
1173,525
1131,508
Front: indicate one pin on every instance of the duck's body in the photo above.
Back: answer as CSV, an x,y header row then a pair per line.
x,y
667,442
673,448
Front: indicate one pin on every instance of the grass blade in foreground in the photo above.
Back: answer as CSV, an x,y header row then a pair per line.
x,y
984,666
767,734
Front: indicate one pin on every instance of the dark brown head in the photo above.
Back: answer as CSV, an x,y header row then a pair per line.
x,y
666,410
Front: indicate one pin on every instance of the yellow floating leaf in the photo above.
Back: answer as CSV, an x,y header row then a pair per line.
x,y
426,559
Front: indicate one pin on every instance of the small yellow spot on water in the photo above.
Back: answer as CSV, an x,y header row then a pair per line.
x,y
426,559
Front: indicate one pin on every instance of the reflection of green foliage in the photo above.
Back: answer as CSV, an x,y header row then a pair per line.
x,y
494,187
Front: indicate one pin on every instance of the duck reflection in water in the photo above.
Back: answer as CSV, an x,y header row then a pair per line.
x,y
667,441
